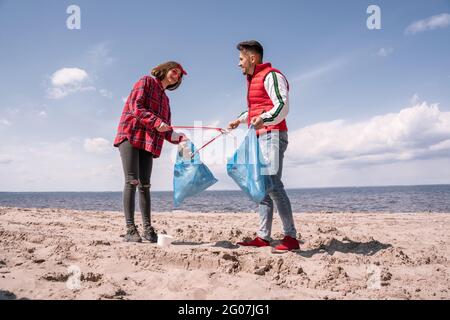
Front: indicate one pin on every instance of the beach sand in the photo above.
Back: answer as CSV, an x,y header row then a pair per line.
x,y
68,254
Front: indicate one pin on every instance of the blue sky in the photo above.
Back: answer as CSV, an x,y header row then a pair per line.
x,y
367,107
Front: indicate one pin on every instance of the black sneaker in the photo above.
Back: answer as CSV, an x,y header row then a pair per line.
x,y
150,234
132,235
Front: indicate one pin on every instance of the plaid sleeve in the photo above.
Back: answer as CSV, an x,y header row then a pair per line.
x,y
168,134
137,104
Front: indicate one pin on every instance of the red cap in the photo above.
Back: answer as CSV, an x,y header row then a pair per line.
x,y
182,70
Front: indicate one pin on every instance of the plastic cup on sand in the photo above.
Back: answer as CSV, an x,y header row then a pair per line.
x,y
164,240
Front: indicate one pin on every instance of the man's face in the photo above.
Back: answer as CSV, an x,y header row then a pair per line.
x,y
246,62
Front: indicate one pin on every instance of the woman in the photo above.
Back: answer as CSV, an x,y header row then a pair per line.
x,y
143,127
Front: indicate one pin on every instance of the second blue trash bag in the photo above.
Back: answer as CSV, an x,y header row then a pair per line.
x,y
244,167
190,176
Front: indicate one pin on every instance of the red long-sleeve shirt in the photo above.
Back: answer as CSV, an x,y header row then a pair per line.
x,y
146,107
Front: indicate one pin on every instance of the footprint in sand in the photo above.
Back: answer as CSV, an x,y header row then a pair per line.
x,y
199,294
174,285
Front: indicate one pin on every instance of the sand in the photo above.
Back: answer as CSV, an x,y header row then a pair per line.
x,y
68,254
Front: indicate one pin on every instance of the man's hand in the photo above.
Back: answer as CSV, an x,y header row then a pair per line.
x,y
163,127
234,124
257,122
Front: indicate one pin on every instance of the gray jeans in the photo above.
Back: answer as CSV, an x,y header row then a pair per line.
x,y
137,168
273,146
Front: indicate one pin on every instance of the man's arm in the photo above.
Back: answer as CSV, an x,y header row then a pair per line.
x,y
277,89
243,117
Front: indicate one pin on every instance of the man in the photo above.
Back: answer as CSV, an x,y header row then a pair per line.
x,y
268,106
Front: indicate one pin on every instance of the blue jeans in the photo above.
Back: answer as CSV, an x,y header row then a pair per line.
x,y
273,145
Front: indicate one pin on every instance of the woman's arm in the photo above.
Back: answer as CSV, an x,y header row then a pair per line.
x,y
172,136
137,104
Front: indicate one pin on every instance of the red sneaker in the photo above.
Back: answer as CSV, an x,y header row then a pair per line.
x,y
257,242
287,244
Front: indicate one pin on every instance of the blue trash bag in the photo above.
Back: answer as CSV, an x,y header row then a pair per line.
x,y
246,166
190,175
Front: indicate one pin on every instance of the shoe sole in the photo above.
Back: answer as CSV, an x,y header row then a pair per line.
x,y
278,251
126,240
246,246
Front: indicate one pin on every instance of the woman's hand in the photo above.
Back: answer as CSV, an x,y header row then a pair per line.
x,y
163,127
180,137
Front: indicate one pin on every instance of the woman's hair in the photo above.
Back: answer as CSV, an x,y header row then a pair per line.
x,y
161,71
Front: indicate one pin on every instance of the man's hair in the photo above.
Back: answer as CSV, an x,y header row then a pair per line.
x,y
251,46
161,71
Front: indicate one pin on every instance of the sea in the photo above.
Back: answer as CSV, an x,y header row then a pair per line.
x,y
390,199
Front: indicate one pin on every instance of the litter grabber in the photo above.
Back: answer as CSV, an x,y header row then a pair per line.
x,y
220,130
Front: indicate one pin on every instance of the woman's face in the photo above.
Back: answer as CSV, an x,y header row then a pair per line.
x,y
173,76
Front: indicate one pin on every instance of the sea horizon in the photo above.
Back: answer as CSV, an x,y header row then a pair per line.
x,y
226,190
398,198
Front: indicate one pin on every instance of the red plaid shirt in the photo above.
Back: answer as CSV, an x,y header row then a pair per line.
x,y
146,107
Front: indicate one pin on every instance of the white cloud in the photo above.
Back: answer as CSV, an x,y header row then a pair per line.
x,y
414,99
12,111
105,93
57,166
105,171
97,145
418,132
443,145
414,172
42,114
411,146
4,122
384,52
68,81
434,22
58,93
5,159
320,70
99,55
68,76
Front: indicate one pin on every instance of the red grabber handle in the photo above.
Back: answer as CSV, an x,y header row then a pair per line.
x,y
222,131
199,127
